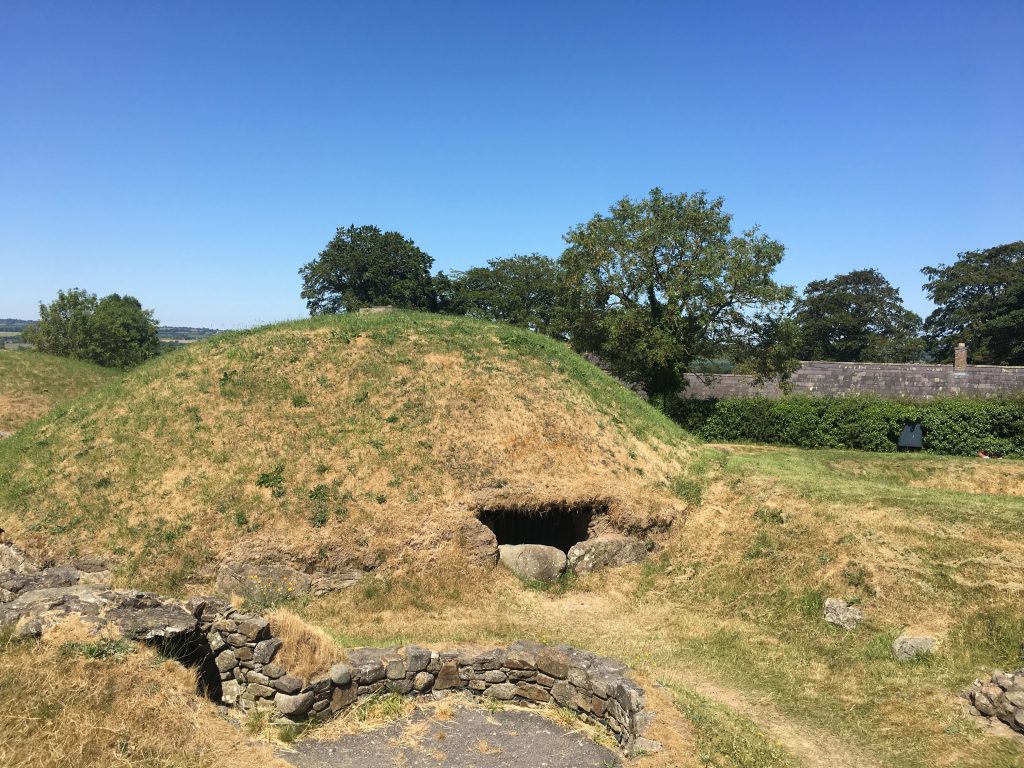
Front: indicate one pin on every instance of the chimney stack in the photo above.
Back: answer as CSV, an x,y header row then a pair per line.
x,y
960,357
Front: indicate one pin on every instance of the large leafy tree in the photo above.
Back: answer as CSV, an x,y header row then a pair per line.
x,y
520,290
663,282
857,317
980,301
362,266
114,331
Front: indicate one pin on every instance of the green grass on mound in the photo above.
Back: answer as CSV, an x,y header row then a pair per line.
x,y
365,435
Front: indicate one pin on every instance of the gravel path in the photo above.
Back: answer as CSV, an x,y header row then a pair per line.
x,y
472,738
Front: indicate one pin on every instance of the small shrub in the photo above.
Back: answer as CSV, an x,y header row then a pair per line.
x,y
290,732
299,401
272,479
879,646
857,576
762,545
255,721
241,519
811,604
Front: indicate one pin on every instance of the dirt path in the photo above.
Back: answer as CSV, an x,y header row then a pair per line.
x,y
469,738
813,747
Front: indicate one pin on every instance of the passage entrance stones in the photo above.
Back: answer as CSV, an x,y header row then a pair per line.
x,y
542,541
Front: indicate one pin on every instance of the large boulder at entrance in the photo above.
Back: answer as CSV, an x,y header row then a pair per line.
x,y
605,552
533,561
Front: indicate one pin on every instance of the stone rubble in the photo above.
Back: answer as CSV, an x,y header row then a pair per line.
x,y
908,648
1000,697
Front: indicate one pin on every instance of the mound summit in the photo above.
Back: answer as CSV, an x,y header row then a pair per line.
x,y
338,444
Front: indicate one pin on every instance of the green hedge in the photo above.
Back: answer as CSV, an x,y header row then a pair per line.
x,y
959,426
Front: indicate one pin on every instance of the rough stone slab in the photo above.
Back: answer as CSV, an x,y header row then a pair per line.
x,y
341,674
288,684
294,706
842,614
907,648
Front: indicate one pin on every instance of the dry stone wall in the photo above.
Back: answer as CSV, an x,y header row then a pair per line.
x,y
893,380
236,655
244,650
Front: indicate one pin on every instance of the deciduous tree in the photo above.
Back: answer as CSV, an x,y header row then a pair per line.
x,y
661,282
362,266
857,317
114,331
980,300
520,290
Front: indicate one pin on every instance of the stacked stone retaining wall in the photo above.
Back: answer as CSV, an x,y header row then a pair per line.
x,y
244,650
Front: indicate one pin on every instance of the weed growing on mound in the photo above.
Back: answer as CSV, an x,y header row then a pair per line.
x,y
117,649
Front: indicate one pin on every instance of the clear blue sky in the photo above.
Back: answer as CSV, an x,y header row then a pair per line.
x,y
196,154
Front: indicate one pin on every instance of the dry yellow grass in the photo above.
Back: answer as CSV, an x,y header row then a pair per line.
x,y
307,651
32,383
59,709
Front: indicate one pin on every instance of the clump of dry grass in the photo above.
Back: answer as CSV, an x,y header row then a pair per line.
x,y
307,651
60,709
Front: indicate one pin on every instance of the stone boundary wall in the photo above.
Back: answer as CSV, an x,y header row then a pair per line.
x,y
918,381
598,689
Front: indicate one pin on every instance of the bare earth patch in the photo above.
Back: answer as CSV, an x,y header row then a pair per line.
x,y
510,738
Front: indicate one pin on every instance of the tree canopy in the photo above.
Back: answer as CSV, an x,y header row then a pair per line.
x,y
114,331
980,301
361,267
661,282
520,290
857,317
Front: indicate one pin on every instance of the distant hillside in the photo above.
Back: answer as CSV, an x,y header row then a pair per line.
x,y
10,325
13,325
171,335
184,333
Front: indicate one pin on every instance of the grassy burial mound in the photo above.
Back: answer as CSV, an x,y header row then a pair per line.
x,y
32,383
338,445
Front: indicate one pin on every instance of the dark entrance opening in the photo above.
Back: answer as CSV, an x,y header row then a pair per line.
x,y
193,651
554,525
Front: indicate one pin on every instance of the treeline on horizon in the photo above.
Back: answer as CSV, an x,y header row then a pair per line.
x,y
662,286
657,288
